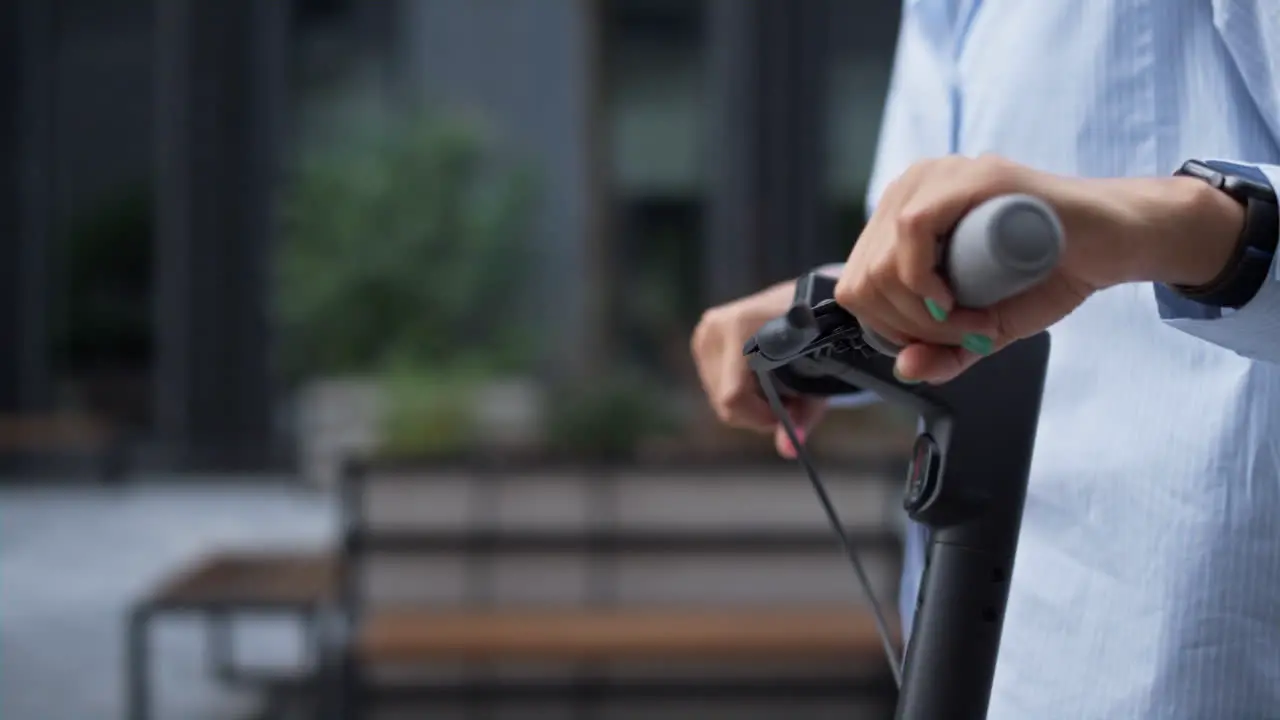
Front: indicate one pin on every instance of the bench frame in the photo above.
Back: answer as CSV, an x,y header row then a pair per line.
x,y
181,598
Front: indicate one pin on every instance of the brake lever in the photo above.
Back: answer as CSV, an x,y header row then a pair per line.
x,y
809,349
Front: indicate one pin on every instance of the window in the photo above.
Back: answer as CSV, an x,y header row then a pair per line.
x,y
653,84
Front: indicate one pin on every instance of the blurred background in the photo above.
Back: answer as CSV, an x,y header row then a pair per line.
x,y
344,361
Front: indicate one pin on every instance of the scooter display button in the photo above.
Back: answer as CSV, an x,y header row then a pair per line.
x,y
922,474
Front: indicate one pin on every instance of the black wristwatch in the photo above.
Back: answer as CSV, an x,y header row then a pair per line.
x,y
1247,269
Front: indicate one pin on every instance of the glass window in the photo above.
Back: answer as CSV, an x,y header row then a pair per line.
x,y
653,91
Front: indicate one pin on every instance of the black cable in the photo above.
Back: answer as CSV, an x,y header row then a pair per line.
x,y
802,454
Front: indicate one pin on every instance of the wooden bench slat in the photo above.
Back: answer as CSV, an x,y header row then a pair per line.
x,y
252,578
571,635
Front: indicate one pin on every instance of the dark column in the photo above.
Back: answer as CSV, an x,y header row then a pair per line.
x,y
768,83
221,94
530,68
27,37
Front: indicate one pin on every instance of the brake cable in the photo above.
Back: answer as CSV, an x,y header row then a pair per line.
x,y
828,507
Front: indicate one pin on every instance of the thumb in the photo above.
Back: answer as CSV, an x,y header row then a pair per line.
x,y
805,413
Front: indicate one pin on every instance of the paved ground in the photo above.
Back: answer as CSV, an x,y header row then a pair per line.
x,y
72,559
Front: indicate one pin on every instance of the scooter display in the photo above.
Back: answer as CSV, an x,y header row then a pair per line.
x,y
968,474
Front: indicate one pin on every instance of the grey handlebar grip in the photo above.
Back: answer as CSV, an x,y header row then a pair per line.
x,y
1001,248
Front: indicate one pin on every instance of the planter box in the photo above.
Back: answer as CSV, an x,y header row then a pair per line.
x,y
336,418
340,418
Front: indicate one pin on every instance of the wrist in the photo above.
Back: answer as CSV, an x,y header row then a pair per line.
x,y
1175,231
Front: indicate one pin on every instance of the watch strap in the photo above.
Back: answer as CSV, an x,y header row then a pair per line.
x,y
1247,269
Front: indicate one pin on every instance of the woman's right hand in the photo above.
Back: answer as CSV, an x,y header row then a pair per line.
x,y
732,388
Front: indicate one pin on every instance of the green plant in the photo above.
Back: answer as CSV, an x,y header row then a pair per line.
x,y
609,420
404,244
426,414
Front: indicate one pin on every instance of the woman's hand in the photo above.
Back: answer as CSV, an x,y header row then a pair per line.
x,y
731,386
1176,230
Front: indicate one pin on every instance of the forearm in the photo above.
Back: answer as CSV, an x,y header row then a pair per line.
x,y
1174,231
1183,231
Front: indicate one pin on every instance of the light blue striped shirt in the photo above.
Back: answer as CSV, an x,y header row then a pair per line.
x,y
1147,583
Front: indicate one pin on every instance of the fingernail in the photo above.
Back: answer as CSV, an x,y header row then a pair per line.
x,y
977,344
935,310
904,380
788,449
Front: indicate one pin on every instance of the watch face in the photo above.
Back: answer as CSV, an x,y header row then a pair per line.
x,y
1231,168
1251,176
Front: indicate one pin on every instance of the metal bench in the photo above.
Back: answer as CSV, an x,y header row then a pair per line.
x,y
224,587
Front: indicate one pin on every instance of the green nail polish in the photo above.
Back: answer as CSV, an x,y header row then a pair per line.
x,y
905,381
977,344
935,310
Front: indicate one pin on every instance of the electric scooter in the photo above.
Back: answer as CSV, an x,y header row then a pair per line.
x,y
967,479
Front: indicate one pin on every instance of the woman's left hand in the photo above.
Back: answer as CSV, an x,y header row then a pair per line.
x,y
1144,229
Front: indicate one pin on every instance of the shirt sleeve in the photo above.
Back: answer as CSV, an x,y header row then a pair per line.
x,y
1252,330
1250,32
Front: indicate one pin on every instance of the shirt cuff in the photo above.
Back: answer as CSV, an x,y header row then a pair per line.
x,y
1252,331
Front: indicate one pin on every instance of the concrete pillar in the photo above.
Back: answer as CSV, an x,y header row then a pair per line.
x,y
27,36
222,93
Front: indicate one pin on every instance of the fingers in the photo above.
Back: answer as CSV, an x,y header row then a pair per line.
x,y
904,313
951,186
805,414
934,364
892,283
915,271
732,389
741,404
782,443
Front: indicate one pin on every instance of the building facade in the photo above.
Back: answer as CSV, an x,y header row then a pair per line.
x,y
717,144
